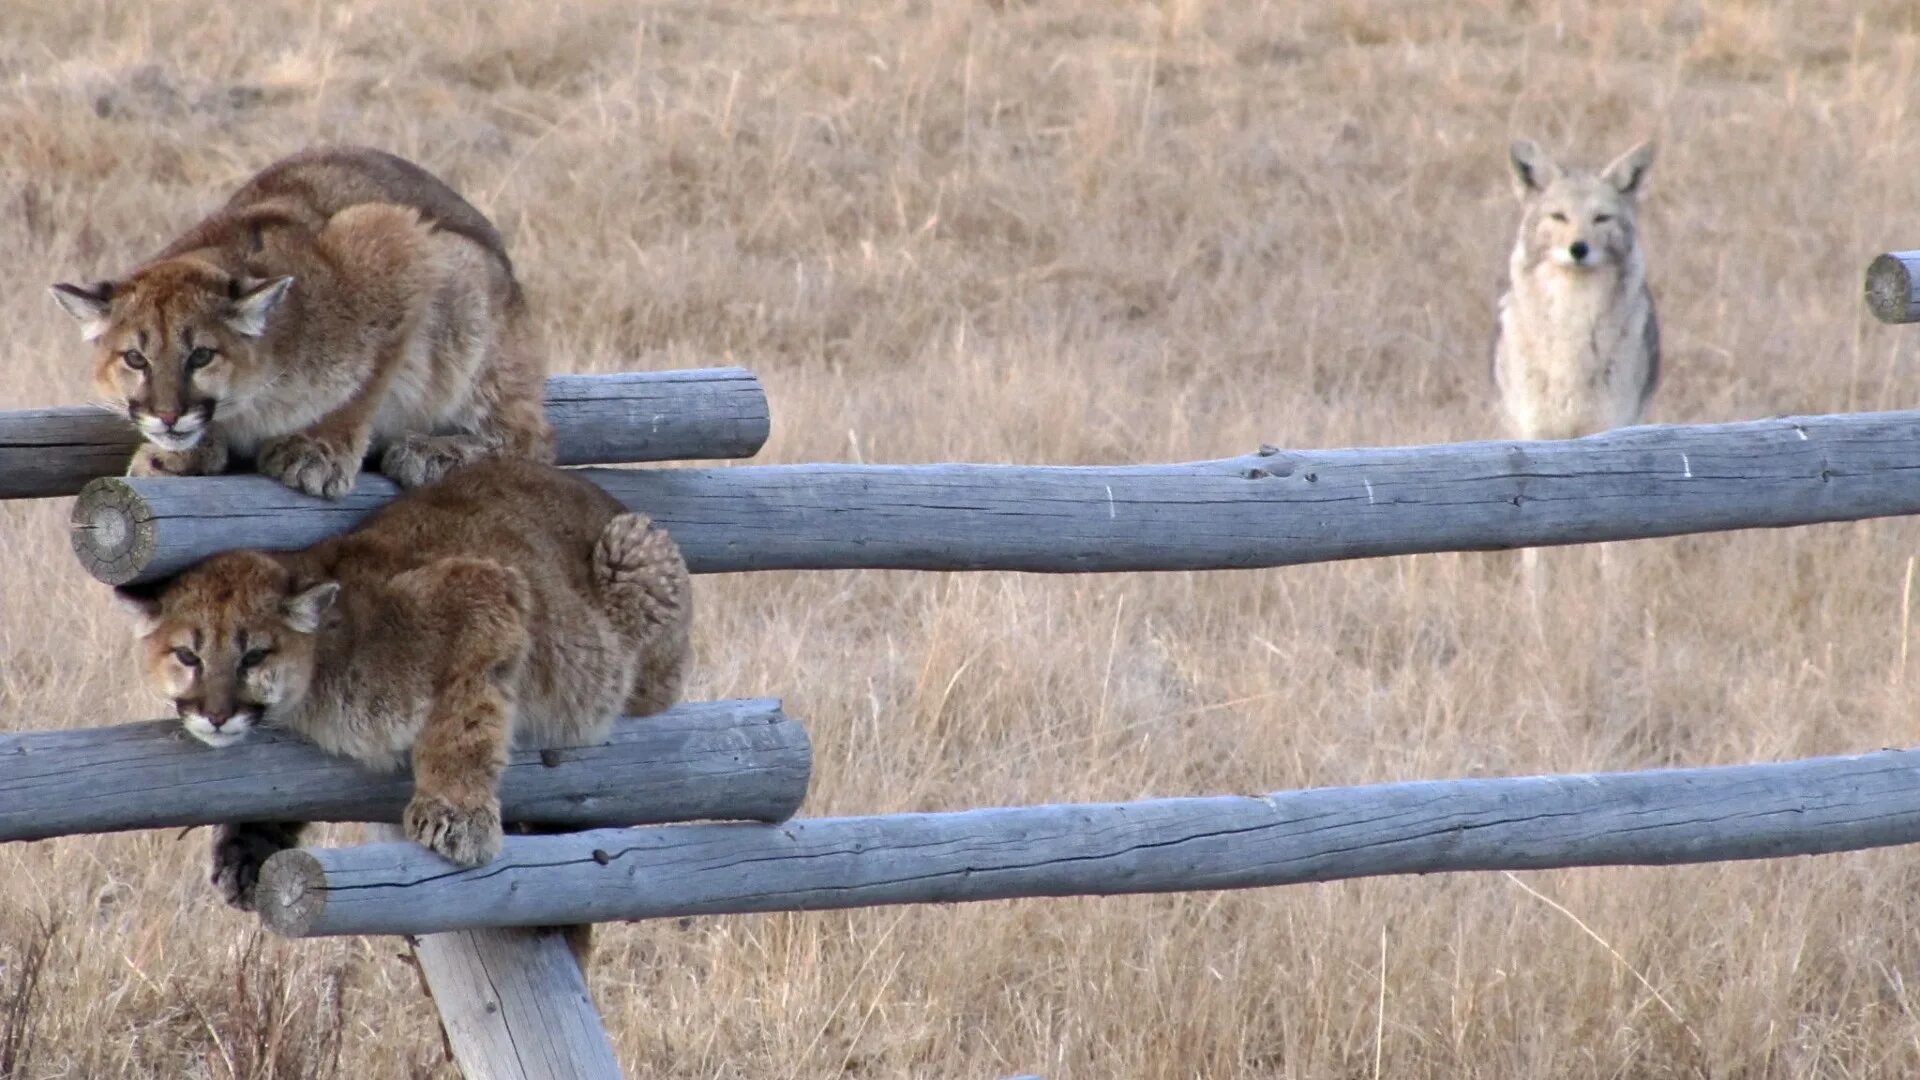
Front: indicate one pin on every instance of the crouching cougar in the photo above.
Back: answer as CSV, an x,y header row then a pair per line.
x,y
343,302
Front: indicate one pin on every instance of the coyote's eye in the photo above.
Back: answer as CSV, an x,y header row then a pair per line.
x,y
200,358
187,657
254,658
134,360
1602,219
1558,216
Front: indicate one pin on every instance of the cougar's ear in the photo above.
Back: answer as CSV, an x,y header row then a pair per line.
x,y
1629,169
143,603
252,302
1533,170
304,610
87,303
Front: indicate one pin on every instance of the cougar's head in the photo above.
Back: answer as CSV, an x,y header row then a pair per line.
x,y
175,343
230,642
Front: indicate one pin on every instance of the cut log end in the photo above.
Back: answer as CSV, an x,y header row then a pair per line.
x,y
292,893
113,533
1890,287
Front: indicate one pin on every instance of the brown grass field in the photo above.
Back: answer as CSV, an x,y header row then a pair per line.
x,y
1073,231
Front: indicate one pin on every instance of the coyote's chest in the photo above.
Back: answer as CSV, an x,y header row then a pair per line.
x,y
1573,357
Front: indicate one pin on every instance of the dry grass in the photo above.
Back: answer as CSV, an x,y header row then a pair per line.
x,y
1068,232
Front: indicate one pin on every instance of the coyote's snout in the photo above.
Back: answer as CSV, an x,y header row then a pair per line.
x,y
1578,347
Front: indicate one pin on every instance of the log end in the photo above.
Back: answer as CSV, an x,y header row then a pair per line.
x,y
1890,287
113,533
292,893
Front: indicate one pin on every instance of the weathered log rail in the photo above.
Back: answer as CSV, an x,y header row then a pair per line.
x,y
735,760
598,419
1270,508
1657,817
1893,287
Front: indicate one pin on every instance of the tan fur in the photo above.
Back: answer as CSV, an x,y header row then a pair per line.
x,y
1578,345
512,602
343,302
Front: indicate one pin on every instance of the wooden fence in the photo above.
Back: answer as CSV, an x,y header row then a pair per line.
x,y
511,999
1268,508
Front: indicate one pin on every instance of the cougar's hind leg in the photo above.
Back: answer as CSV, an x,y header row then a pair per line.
x,y
417,460
482,333
644,589
515,391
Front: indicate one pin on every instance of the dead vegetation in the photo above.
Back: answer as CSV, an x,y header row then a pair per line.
x,y
1068,232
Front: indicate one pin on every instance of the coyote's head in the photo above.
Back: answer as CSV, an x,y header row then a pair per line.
x,y
1574,219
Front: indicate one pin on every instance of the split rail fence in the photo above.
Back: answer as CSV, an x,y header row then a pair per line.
x,y
511,999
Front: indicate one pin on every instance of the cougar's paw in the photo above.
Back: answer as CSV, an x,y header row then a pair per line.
x,y
238,853
315,466
468,837
151,460
418,460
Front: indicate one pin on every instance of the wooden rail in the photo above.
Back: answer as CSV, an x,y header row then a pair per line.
x,y
513,1002
597,419
1270,508
1526,823
741,760
1893,287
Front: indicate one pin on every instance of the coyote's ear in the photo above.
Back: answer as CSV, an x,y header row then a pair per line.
x,y
1629,169
88,303
252,301
304,609
1533,170
143,603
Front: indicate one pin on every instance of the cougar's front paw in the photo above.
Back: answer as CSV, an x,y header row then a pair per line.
x,y
313,465
238,853
467,837
423,459
151,460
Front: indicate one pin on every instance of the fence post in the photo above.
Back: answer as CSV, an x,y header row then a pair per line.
x,y
513,1003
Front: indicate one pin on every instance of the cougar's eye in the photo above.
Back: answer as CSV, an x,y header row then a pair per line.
x,y
134,360
253,658
1602,219
200,358
1558,216
187,657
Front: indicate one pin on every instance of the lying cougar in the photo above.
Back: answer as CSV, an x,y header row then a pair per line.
x,y
512,601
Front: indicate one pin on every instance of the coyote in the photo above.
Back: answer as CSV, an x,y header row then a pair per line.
x,y
1577,349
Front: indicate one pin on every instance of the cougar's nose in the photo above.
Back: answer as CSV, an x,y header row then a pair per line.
x,y
167,418
1578,249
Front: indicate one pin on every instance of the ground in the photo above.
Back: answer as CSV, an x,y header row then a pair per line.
x,y
1073,231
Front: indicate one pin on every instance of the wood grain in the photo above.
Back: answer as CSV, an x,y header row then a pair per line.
x,y
1269,508
597,419
1231,842
741,759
